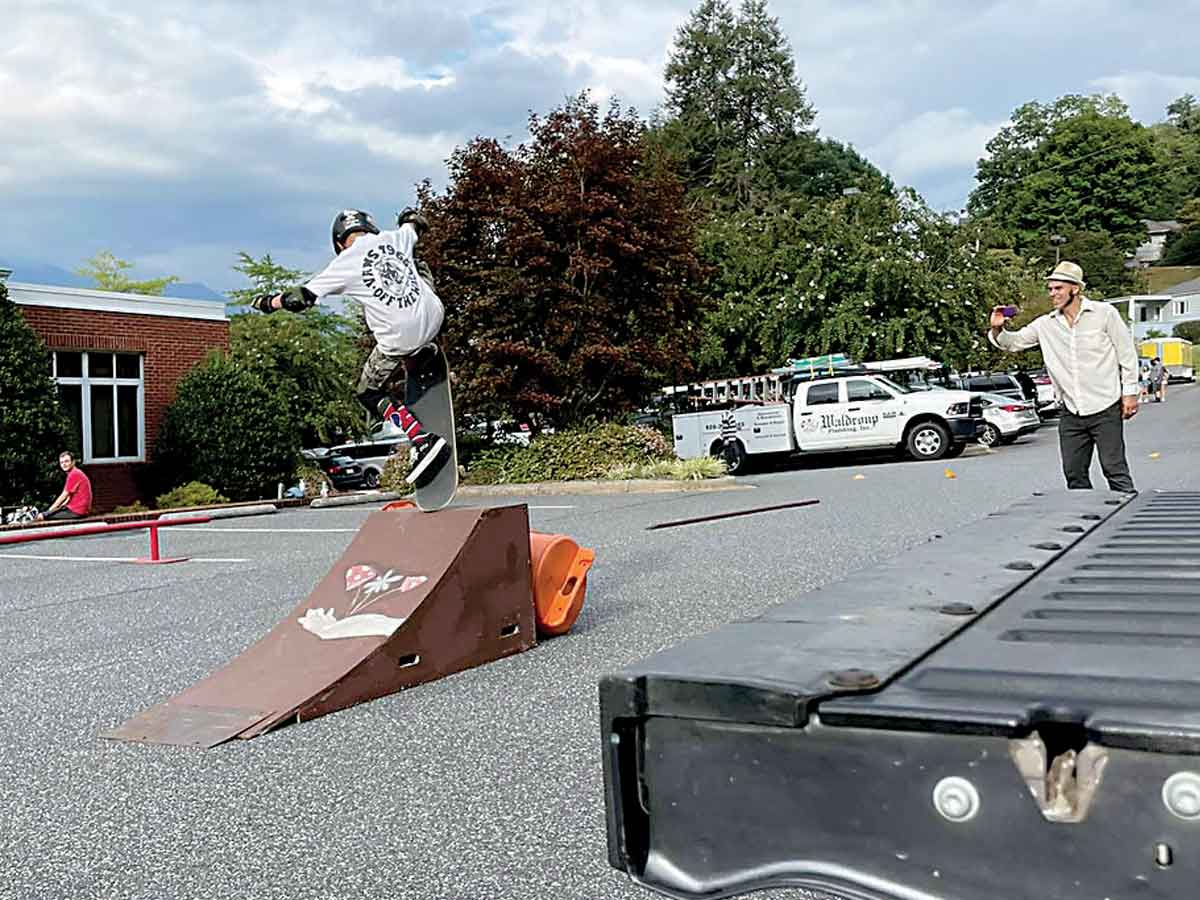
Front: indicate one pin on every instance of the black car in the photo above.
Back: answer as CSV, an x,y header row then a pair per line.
x,y
987,383
345,474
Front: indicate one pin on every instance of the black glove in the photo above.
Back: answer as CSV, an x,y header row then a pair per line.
x,y
412,217
263,303
298,299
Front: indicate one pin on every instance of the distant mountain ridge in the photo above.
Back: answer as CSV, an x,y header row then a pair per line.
x,y
43,273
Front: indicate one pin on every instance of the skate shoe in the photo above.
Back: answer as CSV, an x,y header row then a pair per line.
x,y
428,455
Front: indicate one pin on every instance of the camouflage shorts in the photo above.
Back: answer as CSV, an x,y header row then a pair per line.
x,y
378,370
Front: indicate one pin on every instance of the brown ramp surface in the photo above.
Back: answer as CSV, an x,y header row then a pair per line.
x,y
416,596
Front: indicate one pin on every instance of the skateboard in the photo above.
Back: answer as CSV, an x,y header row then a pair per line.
x,y
427,395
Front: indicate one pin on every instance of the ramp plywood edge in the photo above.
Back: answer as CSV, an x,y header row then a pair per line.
x,y
415,597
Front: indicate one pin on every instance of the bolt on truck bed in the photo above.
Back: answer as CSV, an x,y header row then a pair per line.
x,y
1021,720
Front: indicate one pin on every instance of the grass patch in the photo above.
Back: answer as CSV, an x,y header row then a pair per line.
x,y
698,469
1159,278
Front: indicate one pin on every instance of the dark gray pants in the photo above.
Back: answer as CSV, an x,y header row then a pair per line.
x,y
1105,431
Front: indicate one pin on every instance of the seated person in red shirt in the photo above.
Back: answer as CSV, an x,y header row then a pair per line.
x,y
75,501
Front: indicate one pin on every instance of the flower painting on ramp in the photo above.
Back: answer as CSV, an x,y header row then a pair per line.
x,y
365,586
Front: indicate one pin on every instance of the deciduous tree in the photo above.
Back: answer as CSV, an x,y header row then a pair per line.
x,y
870,275
108,274
1102,261
265,276
1079,163
567,268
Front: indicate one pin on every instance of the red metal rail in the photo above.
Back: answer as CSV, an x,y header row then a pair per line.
x,y
152,524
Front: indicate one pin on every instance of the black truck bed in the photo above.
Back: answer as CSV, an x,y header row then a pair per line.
x,y
1010,711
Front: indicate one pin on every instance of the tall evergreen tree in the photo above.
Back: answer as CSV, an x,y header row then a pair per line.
x,y
33,428
732,101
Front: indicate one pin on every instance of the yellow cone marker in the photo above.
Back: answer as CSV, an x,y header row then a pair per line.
x,y
950,473
860,477
1155,455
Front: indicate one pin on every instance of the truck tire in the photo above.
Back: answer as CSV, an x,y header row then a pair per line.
x,y
927,440
955,451
735,458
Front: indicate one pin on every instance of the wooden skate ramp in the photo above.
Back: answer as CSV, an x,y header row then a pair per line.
x,y
415,597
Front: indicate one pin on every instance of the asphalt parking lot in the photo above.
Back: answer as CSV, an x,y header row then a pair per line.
x,y
483,785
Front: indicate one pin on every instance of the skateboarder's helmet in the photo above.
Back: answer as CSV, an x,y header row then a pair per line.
x,y
349,221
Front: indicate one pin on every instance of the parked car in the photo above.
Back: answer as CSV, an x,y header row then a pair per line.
x,y
1047,397
1006,419
345,474
373,452
990,383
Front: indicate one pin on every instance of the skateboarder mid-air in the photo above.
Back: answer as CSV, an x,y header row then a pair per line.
x,y
402,311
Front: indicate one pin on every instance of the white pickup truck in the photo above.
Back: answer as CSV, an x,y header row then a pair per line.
x,y
844,412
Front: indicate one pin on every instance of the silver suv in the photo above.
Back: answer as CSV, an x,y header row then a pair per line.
x,y
372,453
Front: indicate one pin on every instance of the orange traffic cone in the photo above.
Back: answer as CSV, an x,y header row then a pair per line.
x,y
560,568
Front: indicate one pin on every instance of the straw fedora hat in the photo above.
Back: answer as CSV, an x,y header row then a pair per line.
x,y
1067,271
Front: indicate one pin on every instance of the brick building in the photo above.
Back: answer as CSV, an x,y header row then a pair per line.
x,y
117,359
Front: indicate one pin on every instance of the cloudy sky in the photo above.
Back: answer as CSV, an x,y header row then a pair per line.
x,y
176,133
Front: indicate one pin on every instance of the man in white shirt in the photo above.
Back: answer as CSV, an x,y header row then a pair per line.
x,y
377,269
1089,354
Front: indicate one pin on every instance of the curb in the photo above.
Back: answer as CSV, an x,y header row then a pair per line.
x,y
631,486
548,488
222,512
353,499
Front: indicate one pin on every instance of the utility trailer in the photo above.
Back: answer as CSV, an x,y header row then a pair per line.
x,y
1009,711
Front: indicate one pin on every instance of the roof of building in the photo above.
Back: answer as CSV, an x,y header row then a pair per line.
x,y
111,301
1161,227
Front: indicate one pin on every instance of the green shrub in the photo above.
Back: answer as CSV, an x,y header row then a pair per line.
x,y
33,428
1189,331
311,359
394,471
194,493
469,444
136,507
585,453
228,428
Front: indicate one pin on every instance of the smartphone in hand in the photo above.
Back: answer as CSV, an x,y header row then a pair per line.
x,y
1008,311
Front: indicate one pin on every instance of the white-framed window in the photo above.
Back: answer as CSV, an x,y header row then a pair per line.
x,y
103,395
1181,307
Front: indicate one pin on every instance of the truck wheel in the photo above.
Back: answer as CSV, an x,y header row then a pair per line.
x,y
989,436
735,458
928,440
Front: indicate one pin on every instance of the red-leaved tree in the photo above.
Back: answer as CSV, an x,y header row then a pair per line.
x,y
568,269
